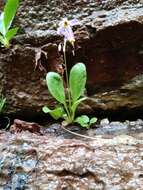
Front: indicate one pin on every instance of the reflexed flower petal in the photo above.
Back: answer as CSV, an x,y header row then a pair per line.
x,y
65,29
60,31
74,22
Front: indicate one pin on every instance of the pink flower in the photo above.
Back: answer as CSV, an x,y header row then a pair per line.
x,y
65,29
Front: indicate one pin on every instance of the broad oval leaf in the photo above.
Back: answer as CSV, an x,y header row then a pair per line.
x,y
11,33
56,113
83,120
9,12
77,80
93,120
55,86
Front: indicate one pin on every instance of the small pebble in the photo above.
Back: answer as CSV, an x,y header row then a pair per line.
x,y
139,122
132,123
104,122
138,126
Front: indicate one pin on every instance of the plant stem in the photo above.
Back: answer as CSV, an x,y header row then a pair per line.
x,y
68,113
67,81
6,43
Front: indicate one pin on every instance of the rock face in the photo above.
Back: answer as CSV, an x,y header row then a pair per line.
x,y
109,42
29,161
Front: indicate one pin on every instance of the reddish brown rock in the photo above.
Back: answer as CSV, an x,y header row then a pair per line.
x,y
29,161
18,126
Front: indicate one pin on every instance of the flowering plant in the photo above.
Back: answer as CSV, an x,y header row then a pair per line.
x,y
71,96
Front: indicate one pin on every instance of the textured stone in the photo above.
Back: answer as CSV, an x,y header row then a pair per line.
x,y
104,122
29,161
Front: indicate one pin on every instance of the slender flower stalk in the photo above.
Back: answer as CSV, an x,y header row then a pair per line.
x,y
66,73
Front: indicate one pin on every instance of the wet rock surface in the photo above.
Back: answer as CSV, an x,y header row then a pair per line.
x,y
104,129
111,30
58,161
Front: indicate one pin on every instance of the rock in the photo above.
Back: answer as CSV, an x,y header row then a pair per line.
x,y
132,123
104,122
116,128
18,126
30,161
113,128
123,102
139,122
109,41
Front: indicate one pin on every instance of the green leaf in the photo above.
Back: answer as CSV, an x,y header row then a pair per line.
x,y
55,86
11,33
56,113
93,120
83,121
75,104
9,12
2,103
45,109
77,80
